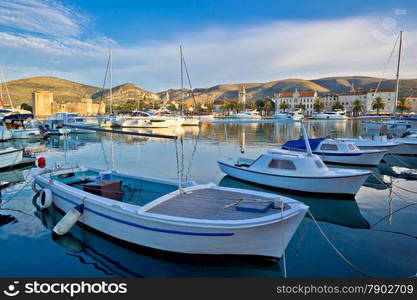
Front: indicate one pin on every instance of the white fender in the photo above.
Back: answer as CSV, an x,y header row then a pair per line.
x,y
69,220
45,199
34,188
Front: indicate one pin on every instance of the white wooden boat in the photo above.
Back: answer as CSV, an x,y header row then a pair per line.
x,y
10,156
379,142
196,219
294,170
392,125
407,146
338,152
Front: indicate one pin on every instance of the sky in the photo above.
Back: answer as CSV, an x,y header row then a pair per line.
x,y
224,41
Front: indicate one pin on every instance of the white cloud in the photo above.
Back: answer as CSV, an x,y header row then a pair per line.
x,y
277,50
44,17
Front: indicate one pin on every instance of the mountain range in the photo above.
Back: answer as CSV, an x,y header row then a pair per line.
x,y
68,91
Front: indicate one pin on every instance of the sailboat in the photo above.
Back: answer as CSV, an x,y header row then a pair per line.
x,y
394,124
188,120
16,121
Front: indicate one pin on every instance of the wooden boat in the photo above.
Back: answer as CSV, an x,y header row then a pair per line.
x,y
338,151
156,213
296,170
372,143
10,156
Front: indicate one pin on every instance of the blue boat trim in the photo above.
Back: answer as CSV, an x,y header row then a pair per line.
x,y
301,177
324,153
145,227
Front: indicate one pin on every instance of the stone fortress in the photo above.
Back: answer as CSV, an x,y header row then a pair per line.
x,y
43,106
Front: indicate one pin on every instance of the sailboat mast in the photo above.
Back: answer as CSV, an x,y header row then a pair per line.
x,y
397,85
111,80
306,141
182,83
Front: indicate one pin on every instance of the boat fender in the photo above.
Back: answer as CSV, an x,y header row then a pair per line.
x,y
34,188
69,220
45,199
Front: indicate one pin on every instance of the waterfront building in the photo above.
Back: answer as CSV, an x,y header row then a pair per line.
x,y
294,99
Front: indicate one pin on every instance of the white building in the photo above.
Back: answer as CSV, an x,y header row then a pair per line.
x,y
329,100
295,99
348,100
367,98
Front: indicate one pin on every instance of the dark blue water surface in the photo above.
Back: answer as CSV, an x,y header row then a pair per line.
x,y
376,231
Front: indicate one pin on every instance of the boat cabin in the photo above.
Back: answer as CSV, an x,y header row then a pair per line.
x,y
284,162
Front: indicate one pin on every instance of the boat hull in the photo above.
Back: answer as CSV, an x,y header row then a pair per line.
x,y
5,134
406,147
179,235
9,157
346,185
26,133
362,159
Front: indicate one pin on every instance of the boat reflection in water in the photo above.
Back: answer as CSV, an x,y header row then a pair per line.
x,y
403,167
344,212
120,259
72,141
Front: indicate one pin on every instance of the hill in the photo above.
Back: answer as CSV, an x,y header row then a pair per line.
x,y
69,91
341,84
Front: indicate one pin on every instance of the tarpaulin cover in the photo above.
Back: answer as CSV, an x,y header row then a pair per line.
x,y
301,145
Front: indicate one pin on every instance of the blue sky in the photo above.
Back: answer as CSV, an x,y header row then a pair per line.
x,y
225,41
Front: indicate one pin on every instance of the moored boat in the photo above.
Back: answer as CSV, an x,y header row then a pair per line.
x,y
193,219
338,151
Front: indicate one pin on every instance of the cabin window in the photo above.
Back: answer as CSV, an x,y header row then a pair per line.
x,y
319,163
281,164
329,147
352,147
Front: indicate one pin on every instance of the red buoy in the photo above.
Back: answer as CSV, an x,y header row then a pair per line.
x,y
41,162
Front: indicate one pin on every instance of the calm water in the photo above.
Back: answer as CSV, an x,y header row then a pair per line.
x,y
362,229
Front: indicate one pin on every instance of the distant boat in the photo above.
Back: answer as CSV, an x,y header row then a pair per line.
x,y
330,115
141,119
392,125
195,219
294,115
246,115
297,171
10,156
55,125
374,143
338,151
20,126
5,134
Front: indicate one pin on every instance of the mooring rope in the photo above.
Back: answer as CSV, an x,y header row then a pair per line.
x,y
337,250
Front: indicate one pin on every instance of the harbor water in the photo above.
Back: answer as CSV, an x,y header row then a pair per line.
x,y
376,232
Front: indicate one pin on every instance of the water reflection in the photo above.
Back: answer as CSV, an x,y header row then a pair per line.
x,y
344,212
116,258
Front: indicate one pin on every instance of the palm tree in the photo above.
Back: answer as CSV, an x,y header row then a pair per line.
x,y
269,105
209,105
338,105
378,104
403,105
284,106
318,105
225,107
357,107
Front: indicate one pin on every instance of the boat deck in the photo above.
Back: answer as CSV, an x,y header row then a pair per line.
x,y
213,204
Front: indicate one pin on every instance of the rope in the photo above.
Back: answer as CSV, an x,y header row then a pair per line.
x,y
188,174
385,68
335,249
284,260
